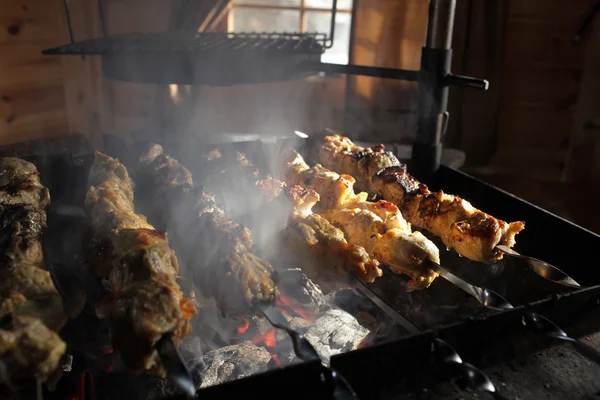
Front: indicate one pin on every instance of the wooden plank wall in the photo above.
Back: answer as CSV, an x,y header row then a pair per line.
x,y
44,96
391,33
387,33
541,81
527,123
32,94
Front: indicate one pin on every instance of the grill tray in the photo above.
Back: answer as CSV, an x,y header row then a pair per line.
x,y
482,337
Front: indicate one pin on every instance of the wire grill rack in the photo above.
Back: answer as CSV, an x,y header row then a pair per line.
x,y
266,42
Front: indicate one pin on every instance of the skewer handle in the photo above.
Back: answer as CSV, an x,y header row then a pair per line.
x,y
542,268
467,374
177,371
304,350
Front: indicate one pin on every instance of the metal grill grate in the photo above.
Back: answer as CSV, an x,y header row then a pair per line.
x,y
267,42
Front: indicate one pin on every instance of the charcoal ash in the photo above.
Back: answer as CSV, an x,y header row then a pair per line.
x,y
335,332
219,366
230,363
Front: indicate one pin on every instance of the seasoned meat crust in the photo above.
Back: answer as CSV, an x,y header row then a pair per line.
x,y
216,249
471,232
140,269
31,309
378,227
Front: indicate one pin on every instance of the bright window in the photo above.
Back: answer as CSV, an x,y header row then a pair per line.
x,y
306,16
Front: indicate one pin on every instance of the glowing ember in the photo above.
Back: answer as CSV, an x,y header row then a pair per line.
x,y
107,349
242,329
277,362
364,343
270,342
268,339
85,377
284,301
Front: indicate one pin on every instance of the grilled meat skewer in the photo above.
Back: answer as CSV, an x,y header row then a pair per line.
x,y
20,184
317,242
28,349
31,309
314,241
377,226
471,232
145,302
217,249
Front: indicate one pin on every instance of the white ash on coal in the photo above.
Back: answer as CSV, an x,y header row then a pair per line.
x,y
333,332
336,332
230,363
219,366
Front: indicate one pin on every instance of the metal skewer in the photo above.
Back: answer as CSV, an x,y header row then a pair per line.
x,y
177,370
306,352
469,375
542,268
485,296
396,316
535,322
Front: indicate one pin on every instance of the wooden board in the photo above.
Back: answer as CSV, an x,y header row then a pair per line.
x,y
550,88
32,94
388,34
542,43
542,82
534,127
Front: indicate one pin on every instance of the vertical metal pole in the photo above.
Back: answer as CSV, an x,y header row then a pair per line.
x,y
102,17
332,26
436,58
440,24
69,24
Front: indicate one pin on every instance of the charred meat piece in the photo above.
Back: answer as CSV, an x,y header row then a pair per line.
x,y
145,301
376,226
31,309
216,249
471,232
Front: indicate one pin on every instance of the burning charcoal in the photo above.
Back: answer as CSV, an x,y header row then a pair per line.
x,y
222,365
230,363
332,333
300,289
335,332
